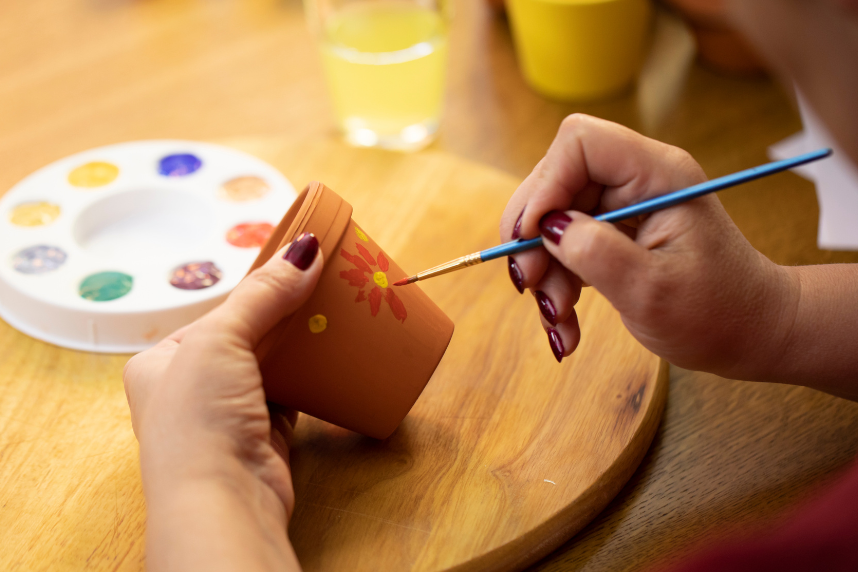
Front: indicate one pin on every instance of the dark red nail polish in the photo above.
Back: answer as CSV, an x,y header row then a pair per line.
x,y
556,344
516,230
302,252
546,306
553,224
515,275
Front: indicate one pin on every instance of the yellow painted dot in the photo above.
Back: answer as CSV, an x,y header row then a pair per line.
x,y
95,174
34,214
318,323
380,279
361,235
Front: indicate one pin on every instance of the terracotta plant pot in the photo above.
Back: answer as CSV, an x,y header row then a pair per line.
x,y
360,351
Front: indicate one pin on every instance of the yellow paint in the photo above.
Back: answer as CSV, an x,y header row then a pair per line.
x,y
380,279
318,323
34,214
361,235
95,174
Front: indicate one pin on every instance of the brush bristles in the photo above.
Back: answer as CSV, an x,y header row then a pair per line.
x,y
404,281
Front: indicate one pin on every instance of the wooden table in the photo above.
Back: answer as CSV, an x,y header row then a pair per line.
x,y
75,75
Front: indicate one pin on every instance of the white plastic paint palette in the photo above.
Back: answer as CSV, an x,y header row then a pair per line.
x,y
112,249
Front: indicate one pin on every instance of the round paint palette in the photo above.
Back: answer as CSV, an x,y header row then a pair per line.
x,y
112,249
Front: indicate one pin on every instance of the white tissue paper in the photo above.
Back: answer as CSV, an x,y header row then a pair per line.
x,y
836,180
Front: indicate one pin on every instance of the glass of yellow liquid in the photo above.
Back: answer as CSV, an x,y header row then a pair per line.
x,y
385,61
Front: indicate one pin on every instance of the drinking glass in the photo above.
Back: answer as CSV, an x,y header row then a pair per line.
x,y
385,62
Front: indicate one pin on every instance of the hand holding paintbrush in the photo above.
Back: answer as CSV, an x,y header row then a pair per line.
x,y
688,285
651,205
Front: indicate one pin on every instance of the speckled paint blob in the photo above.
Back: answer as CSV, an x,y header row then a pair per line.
x,y
249,234
317,324
196,275
105,286
34,214
242,189
179,165
38,259
94,174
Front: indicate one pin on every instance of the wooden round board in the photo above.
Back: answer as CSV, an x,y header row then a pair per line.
x,y
505,455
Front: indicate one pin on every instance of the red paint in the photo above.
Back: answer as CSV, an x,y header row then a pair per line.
x,y
375,300
356,260
355,276
249,234
383,263
396,305
402,282
365,253
358,278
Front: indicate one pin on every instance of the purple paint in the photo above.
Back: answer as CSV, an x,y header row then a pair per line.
x,y
196,275
39,259
179,165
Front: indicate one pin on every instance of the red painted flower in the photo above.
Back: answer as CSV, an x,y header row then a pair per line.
x,y
363,273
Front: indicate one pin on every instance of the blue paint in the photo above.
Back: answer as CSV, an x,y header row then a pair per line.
x,y
670,199
179,165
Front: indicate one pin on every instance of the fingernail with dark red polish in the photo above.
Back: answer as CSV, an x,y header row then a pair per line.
x,y
302,252
556,344
553,224
516,230
515,275
546,306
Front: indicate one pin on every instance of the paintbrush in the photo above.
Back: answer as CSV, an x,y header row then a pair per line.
x,y
648,206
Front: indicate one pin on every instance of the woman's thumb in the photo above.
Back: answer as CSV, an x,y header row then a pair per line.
x,y
271,292
598,253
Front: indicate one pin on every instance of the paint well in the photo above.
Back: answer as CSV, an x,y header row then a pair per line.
x,y
34,214
105,286
93,174
249,234
179,165
144,224
242,189
38,259
196,275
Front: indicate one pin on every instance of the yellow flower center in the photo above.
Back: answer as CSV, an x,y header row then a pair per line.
x,y
380,279
360,234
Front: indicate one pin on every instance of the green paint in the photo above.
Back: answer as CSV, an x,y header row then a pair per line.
x,y
105,286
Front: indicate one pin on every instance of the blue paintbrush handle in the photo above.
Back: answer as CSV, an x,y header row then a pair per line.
x,y
670,199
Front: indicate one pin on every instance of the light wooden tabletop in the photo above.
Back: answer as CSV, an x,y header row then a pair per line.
x,y
75,75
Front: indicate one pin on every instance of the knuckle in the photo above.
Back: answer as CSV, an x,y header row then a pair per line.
x,y
129,369
686,164
575,123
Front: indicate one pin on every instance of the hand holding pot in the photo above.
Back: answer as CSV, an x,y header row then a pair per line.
x,y
214,464
688,285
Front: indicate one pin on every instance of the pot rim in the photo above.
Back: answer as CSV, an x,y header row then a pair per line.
x,y
291,225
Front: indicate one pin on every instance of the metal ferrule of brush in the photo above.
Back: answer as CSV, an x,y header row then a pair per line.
x,y
463,262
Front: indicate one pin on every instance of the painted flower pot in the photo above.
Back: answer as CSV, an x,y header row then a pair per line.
x,y
359,352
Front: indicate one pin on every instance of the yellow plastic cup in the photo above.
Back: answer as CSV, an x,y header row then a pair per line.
x,y
580,49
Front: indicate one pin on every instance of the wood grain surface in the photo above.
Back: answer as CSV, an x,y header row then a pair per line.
x,y
505,456
82,73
